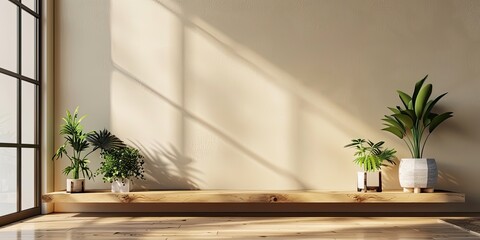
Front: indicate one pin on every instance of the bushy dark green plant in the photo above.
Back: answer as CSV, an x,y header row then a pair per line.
x,y
79,142
370,156
415,120
120,164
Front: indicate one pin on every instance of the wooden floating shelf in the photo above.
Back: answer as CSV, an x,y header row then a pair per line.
x,y
274,197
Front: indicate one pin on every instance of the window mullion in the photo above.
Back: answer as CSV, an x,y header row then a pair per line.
x,y
19,110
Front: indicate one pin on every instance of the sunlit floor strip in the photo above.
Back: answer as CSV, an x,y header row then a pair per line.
x,y
122,226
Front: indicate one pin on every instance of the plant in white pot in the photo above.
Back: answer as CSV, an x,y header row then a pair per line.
x,y
120,166
370,157
79,142
414,122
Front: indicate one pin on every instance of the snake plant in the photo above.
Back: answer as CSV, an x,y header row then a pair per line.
x,y
415,120
370,155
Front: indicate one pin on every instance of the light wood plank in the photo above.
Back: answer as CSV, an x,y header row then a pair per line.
x,y
209,196
122,226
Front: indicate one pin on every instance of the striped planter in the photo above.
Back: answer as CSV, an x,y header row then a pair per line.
x,y
418,174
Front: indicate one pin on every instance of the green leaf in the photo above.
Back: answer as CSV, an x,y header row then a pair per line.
x,y
404,97
410,105
355,142
379,144
405,119
418,86
428,119
394,110
410,113
439,119
393,122
395,131
431,104
67,170
104,140
422,99
59,153
81,118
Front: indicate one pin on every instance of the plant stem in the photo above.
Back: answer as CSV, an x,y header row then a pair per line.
x,y
425,142
76,169
86,155
409,148
416,142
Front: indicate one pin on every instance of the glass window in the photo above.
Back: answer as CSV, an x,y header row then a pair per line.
x,y
8,109
28,45
28,178
28,112
30,4
9,37
19,109
8,180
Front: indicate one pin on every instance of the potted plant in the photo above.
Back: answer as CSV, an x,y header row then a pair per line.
x,y
79,142
414,122
370,157
120,166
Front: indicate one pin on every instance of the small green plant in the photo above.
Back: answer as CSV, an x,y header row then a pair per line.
x,y
120,164
370,155
79,142
415,121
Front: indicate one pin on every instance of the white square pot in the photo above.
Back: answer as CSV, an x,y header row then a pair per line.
x,y
121,187
75,185
373,181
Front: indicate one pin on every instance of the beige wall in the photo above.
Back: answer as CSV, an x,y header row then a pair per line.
x,y
264,94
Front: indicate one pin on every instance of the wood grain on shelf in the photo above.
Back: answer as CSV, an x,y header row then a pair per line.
x,y
274,197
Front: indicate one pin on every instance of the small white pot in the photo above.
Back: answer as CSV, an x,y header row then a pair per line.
x,y
121,186
418,174
372,180
75,185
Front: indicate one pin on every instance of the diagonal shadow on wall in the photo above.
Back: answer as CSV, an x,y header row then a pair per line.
x,y
155,155
158,162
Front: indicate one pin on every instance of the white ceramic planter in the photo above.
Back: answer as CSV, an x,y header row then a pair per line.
x,y
418,174
121,187
372,180
75,185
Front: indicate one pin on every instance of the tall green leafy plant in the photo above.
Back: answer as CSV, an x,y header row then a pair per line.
x,y
370,155
78,142
415,120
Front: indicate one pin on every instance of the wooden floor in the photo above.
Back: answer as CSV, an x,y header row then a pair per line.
x,y
122,226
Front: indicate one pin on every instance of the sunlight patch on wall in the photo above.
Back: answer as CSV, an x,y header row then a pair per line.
x,y
147,42
141,114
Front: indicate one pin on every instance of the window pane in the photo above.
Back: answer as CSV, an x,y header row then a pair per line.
x,y
28,45
8,39
30,4
8,109
28,112
8,180
28,178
